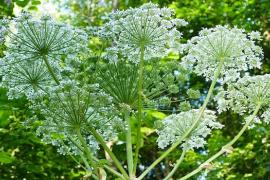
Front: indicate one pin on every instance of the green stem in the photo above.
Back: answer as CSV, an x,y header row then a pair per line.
x,y
107,149
114,172
179,161
140,108
86,149
86,164
129,144
182,138
86,168
226,147
50,69
89,155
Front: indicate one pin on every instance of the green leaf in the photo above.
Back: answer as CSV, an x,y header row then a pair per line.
x,y
35,2
147,131
22,3
6,158
157,114
33,8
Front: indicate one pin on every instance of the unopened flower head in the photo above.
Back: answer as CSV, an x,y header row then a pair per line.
x,y
231,46
28,38
244,95
71,106
30,79
120,81
176,125
148,27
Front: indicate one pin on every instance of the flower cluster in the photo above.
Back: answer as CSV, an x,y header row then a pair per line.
x,y
33,48
71,107
31,39
176,125
244,95
120,81
147,28
30,79
4,23
162,83
232,47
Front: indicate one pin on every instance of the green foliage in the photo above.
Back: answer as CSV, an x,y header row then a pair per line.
x,y
5,158
22,154
6,8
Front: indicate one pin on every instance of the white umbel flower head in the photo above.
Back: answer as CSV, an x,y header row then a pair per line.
x,y
28,38
244,95
232,46
176,125
148,27
71,106
30,79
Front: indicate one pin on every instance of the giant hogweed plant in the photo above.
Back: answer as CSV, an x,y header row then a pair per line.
x,y
82,112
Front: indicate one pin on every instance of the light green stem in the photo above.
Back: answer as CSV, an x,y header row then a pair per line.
x,y
182,138
86,149
179,161
105,166
89,155
226,147
86,164
107,149
129,144
50,69
86,168
114,172
140,108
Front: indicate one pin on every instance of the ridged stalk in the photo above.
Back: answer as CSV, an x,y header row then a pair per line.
x,y
140,108
49,67
179,161
129,144
86,149
107,149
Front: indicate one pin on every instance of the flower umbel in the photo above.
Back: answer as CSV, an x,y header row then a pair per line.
x,y
232,45
120,80
34,49
71,106
25,78
176,125
28,38
243,95
148,27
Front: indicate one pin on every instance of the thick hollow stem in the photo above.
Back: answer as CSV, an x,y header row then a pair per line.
x,y
107,149
179,161
207,99
129,144
50,69
226,147
140,108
